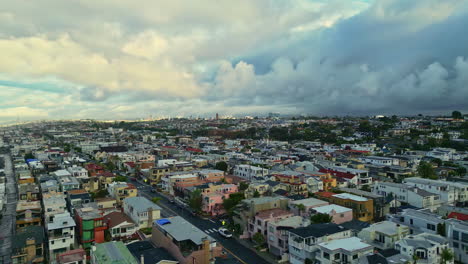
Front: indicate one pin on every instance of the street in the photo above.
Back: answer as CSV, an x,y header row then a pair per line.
x,y
232,246
7,225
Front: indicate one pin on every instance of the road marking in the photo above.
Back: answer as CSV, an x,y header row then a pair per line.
x,y
234,255
214,230
212,221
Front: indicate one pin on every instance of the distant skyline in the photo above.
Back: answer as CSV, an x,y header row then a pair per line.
x,y
133,59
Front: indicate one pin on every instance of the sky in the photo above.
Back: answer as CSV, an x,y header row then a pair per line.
x,y
116,59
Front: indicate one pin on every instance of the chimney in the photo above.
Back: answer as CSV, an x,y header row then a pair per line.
x,y
150,217
206,251
142,259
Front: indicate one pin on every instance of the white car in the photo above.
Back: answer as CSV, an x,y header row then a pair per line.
x,y
225,233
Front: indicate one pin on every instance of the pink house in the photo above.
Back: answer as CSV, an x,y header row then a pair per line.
x,y
338,213
260,222
214,195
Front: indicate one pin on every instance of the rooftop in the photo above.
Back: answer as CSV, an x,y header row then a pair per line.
x,y
141,204
275,212
26,233
318,230
26,205
182,230
151,254
71,256
62,220
263,200
113,252
349,244
327,209
309,202
351,197
385,227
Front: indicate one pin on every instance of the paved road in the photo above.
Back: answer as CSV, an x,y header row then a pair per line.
x,y
7,225
240,252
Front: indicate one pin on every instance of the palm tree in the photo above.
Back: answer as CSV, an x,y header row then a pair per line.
x,y
446,255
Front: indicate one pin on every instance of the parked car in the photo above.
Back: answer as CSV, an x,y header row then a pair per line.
x,y
224,232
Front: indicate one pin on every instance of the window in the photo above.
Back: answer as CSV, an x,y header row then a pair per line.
x,y
411,221
456,235
431,227
326,255
464,237
355,256
337,256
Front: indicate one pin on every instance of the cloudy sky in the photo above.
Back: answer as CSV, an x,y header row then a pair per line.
x,y
115,59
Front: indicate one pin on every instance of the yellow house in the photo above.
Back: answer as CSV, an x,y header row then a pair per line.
x,y
122,190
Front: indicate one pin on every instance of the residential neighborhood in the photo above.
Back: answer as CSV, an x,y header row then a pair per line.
x,y
236,190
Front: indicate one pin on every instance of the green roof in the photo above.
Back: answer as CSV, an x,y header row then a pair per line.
x,y
29,232
113,253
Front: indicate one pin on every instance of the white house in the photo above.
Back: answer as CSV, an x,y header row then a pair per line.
x,y
450,192
248,172
407,194
376,160
418,221
457,234
303,241
120,224
61,234
78,172
427,247
142,211
346,250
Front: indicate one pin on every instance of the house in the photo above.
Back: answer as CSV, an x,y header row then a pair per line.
x,y
307,204
185,242
407,194
355,177
338,213
120,225
303,241
260,188
106,205
457,234
54,203
258,223
248,208
146,253
78,172
77,198
449,192
376,160
383,235
61,234
28,192
363,208
426,247
90,226
111,253
74,256
141,210
94,169
28,213
381,203
345,250
213,196
277,233
121,191
249,172
418,221
28,245
50,186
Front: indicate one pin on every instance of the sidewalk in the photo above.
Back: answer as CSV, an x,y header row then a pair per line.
x,y
8,222
264,255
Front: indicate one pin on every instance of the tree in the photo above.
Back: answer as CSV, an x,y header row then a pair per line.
x,y
366,188
28,156
243,186
195,202
457,115
461,171
425,170
232,201
321,218
120,179
156,200
441,229
258,238
446,255
221,166
100,194
300,208
256,194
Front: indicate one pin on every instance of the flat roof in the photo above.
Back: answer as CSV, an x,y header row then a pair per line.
x,y
326,209
351,197
309,202
349,244
181,230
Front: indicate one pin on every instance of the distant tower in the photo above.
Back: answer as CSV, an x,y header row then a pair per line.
x,y
217,116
